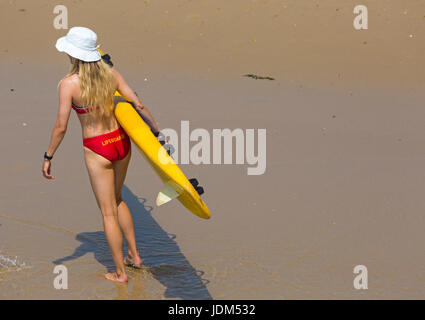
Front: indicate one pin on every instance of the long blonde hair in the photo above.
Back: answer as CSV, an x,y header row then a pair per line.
x,y
97,86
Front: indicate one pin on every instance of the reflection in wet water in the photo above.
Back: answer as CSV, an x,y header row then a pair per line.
x,y
161,255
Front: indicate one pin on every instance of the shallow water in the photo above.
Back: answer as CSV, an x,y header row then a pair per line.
x,y
166,271
336,198
10,265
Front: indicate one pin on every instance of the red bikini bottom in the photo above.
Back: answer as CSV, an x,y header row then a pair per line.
x,y
112,145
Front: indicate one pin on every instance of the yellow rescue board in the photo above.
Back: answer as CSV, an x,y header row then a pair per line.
x,y
176,184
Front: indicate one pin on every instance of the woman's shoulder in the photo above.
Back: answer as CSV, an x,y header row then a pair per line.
x,y
70,81
117,76
115,72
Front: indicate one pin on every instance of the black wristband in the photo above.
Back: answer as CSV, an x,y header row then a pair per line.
x,y
47,157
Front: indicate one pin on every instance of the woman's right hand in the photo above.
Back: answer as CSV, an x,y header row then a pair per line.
x,y
46,169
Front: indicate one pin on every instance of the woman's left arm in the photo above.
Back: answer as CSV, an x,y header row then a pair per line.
x,y
59,130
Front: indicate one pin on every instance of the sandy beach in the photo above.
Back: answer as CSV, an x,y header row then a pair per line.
x,y
345,174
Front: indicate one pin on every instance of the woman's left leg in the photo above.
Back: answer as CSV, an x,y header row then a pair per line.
x,y
124,216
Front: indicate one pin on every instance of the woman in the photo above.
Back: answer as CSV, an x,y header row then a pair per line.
x,y
89,89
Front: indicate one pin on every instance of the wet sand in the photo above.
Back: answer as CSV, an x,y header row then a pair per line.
x,y
344,179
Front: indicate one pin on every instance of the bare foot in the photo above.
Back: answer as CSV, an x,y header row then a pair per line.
x,y
113,276
135,262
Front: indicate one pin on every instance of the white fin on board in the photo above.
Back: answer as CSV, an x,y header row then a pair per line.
x,y
167,194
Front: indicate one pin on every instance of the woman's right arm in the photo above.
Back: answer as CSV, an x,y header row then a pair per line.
x,y
128,93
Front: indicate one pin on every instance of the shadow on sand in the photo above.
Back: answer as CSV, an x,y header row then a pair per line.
x,y
160,253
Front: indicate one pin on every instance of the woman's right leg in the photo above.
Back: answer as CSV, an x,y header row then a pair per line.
x,y
124,216
101,174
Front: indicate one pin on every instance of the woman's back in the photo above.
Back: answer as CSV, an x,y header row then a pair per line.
x,y
91,125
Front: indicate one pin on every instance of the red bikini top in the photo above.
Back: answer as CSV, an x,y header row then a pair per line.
x,y
80,110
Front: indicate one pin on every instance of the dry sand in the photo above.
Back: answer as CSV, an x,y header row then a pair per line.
x,y
344,182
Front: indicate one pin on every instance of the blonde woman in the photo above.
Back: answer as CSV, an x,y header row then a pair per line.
x,y
89,89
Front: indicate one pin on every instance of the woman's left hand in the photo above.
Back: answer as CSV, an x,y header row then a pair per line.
x,y
46,169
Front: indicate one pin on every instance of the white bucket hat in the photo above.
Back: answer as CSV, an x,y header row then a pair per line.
x,y
80,43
